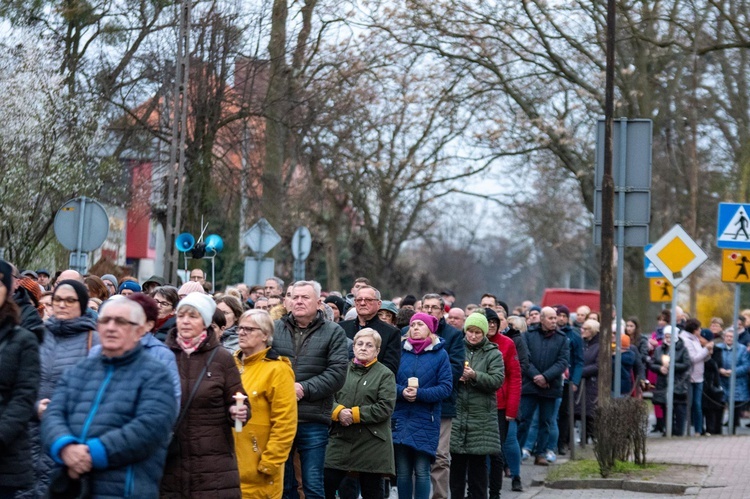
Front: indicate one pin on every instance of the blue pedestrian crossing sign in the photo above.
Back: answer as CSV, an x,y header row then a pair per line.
x,y
733,227
649,269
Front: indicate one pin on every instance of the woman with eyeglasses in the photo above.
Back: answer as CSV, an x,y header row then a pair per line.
x,y
166,299
68,338
264,444
231,307
202,461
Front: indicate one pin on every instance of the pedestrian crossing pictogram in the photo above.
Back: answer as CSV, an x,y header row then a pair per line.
x,y
733,226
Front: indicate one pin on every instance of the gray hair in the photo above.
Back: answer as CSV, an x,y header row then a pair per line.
x,y
136,310
277,280
315,285
263,320
368,331
594,325
434,296
377,293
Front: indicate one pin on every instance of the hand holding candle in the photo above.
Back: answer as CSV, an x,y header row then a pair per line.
x,y
240,411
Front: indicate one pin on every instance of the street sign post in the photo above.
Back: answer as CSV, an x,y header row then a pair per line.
x,y
631,172
81,225
649,269
301,245
733,234
660,290
260,238
676,255
733,227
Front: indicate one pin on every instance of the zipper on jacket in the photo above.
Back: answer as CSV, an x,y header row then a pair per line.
x,y
129,481
97,401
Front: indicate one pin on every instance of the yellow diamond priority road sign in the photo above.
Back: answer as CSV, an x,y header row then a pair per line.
x,y
676,255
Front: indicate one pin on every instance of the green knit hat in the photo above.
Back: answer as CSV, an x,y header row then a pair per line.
x,y
477,320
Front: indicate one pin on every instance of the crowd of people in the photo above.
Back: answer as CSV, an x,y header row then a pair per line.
x,y
114,388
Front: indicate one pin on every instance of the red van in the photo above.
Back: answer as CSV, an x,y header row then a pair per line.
x,y
571,298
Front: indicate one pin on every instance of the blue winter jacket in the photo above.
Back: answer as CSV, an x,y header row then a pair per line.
x,y
741,389
122,409
161,352
417,424
548,356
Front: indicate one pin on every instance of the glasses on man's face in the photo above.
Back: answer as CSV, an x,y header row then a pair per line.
x,y
365,300
431,307
245,330
119,321
263,307
163,303
68,301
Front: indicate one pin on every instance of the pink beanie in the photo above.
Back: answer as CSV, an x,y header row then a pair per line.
x,y
430,321
190,287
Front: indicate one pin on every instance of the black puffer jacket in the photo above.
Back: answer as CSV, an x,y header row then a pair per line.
x,y
19,382
319,363
549,355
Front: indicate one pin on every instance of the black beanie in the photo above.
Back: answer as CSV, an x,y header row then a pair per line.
x,y
81,291
6,276
336,301
505,307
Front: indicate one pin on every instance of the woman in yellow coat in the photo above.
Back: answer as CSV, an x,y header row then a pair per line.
x,y
264,444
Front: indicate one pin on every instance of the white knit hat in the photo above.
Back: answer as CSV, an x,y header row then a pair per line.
x,y
203,303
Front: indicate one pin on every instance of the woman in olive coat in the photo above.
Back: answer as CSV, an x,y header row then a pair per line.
x,y
475,433
360,438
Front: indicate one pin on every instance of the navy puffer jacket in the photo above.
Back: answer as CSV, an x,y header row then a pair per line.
x,y
122,409
417,424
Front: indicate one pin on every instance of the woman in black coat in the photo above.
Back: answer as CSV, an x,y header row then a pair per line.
x,y
590,336
19,382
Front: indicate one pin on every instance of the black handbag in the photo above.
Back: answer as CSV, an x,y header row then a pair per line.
x,y
62,486
174,442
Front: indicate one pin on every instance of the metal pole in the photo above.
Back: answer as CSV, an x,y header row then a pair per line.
x,y
79,244
213,275
572,420
622,179
672,350
582,389
733,356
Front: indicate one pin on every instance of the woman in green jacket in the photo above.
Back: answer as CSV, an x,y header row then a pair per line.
x,y
475,434
360,438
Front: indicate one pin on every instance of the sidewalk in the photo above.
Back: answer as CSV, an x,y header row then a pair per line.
x,y
726,457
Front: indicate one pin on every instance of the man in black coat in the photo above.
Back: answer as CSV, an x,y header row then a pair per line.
x,y
367,302
549,354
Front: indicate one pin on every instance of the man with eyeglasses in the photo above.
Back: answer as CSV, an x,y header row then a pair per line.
x,y
110,416
197,275
367,302
434,305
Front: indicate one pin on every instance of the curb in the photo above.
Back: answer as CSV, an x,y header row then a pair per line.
x,y
618,484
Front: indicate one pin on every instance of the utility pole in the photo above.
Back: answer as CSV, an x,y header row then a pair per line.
x,y
176,170
608,223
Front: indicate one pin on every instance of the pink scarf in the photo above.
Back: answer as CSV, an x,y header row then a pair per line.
x,y
190,345
419,345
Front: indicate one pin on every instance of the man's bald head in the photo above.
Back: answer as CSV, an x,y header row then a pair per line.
x,y
70,275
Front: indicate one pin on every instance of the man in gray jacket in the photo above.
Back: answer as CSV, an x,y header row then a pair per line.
x,y
318,351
